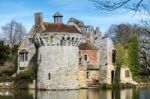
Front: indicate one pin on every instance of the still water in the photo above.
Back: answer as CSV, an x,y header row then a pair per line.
x,y
142,93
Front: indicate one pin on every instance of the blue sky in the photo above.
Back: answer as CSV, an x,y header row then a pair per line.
x,y
23,11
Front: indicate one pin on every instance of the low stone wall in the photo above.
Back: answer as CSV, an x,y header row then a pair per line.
x,y
125,75
32,85
6,85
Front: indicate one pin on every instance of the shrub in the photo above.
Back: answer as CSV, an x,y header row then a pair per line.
x,y
23,79
5,78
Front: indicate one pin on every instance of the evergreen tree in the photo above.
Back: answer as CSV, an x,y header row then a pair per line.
x,y
133,56
4,52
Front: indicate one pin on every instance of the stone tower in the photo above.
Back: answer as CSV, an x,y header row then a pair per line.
x,y
58,54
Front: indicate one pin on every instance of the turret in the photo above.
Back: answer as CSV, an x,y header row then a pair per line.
x,y
58,17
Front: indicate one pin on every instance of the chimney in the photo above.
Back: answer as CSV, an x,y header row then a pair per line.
x,y
97,30
38,19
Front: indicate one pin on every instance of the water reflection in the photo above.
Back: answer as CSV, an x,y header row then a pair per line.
x,y
143,93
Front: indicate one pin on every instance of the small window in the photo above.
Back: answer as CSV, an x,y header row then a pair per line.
x,y
87,76
23,56
80,60
85,57
49,76
113,56
31,40
46,39
127,74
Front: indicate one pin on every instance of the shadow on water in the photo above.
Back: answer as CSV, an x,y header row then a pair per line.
x,y
143,93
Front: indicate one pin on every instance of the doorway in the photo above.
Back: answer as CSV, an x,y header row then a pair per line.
x,y
112,76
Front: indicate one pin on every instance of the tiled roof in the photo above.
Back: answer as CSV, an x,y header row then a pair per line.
x,y
87,46
60,27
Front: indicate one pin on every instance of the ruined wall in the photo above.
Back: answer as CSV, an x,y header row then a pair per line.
x,y
125,75
106,65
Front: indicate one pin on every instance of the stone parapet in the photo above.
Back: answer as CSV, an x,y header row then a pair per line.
x,y
57,39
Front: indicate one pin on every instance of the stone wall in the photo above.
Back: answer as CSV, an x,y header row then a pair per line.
x,y
28,45
58,67
93,77
83,78
106,65
125,75
58,60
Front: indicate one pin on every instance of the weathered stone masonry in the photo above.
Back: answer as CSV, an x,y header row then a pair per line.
x,y
58,60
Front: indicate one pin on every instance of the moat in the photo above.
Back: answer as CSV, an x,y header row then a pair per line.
x,y
138,93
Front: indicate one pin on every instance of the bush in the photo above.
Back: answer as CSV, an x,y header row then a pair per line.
x,y
23,79
28,75
5,78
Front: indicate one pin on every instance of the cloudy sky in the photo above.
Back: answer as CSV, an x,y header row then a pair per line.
x,y
23,11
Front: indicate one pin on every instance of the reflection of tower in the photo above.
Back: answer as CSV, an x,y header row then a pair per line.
x,y
72,94
58,51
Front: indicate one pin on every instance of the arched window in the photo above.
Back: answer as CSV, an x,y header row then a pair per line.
x,y
23,55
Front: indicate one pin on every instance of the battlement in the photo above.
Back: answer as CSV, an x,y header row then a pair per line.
x,y
57,39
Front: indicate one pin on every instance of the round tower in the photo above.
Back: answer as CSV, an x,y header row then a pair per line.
x,y
58,56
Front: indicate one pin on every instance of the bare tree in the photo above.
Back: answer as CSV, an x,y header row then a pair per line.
x,y
13,32
136,5
123,32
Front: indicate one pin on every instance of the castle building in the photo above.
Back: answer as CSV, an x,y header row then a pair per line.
x,y
67,56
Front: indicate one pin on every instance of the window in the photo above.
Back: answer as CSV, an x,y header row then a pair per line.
x,y
49,76
87,76
31,40
80,60
85,57
127,74
46,39
113,56
23,56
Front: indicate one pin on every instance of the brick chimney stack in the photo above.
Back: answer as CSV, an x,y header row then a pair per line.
x,y
39,27
38,19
